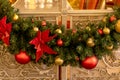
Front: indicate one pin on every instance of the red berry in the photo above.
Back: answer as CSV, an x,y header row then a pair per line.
x,y
74,31
32,20
100,31
77,58
43,23
59,42
112,18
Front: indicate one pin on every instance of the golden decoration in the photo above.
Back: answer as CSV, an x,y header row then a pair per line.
x,y
35,29
117,26
106,30
88,28
90,42
58,61
104,19
109,47
15,17
58,31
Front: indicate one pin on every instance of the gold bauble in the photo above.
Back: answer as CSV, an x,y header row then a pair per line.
x,y
35,29
104,19
15,17
90,42
59,31
106,30
117,26
88,28
109,47
58,61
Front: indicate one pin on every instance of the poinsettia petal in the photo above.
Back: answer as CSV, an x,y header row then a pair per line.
x,y
34,42
50,38
48,49
44,35
39,42
2,30
3,20
39,35
1,35
6,40
39,54
8,27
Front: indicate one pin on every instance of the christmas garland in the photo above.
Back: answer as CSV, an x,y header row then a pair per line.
x,y
31,39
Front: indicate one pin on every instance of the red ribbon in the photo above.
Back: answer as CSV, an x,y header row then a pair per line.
x,y
5,29
39,42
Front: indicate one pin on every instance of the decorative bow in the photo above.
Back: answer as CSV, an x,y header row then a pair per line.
x,y
39,42
5,30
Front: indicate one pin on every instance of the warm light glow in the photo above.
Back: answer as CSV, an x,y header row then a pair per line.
x,y
110,0
49,1
41,5
34,4
30,4
12,1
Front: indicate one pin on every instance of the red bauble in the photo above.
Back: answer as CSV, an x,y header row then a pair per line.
x,y
22,57
59,42
44,23
77,58
74,31
112,18
32,20
100,31
89,62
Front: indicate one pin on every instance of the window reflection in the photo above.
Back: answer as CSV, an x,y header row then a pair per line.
x,y
33,4
30,4
92,4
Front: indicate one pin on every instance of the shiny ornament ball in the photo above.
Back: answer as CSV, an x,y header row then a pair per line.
x,y
15,17
35,29
77,58
32,20
117,26
59,42
22,57
88,28
59,31
104,19
90,42
89,62
100,31
79,49
112,18
74,31
44,23
106,30
59,61
109,47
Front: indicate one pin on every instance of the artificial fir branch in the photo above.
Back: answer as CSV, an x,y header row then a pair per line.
x,y
75,46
